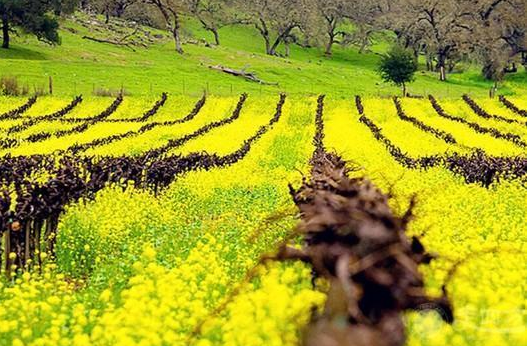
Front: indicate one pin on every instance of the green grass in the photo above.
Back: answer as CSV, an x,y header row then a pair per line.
x,y
79,66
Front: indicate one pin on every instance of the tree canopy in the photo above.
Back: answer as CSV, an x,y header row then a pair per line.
x,y
445,33
32,16
398,67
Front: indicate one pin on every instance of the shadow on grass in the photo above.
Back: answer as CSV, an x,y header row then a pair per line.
x,y
518,77
21,53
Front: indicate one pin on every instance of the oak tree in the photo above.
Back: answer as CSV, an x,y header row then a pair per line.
x,y
32,16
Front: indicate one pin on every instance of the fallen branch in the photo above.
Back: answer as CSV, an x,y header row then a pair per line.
x,y
241,73
199,42
121,40
109,42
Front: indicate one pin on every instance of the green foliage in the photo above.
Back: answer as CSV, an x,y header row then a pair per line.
x,y
398,66
80,66
64,6
32,16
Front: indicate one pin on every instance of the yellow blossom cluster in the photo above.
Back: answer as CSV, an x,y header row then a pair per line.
x,y
481,231
134,268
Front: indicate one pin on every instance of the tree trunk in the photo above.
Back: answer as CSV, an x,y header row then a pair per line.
x,y
283,36
441,62
177,39
216,36
442,73
363,45
172,23
429,63
84,4
287,49
275,45
329,46
107,14
212,28
5,31
119,10
267,43
404,89
262,29
493,90
331,27
176,33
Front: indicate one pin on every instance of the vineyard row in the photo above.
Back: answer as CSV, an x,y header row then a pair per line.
x,y
15,113
49,117
10,142
510,105
484,114
477,167
447,137
476,127
353,240
32,224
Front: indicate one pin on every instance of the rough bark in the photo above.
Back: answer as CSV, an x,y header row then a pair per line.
x,y
214,30
331,27
441,62
216,36
177,39
279,39
107,14
5,31
264,32
267,45
172,21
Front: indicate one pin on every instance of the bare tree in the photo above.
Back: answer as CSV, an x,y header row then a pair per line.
x,y
333,13
112,8
213,15
274,19
171,11
367,16
442,27
500,35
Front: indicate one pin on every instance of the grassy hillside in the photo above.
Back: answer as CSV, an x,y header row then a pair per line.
x,y
80,65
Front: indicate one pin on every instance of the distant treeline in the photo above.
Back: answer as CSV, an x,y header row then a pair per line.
x,y
491,32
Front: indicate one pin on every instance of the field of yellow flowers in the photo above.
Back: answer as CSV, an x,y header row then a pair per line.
x,y
133,265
